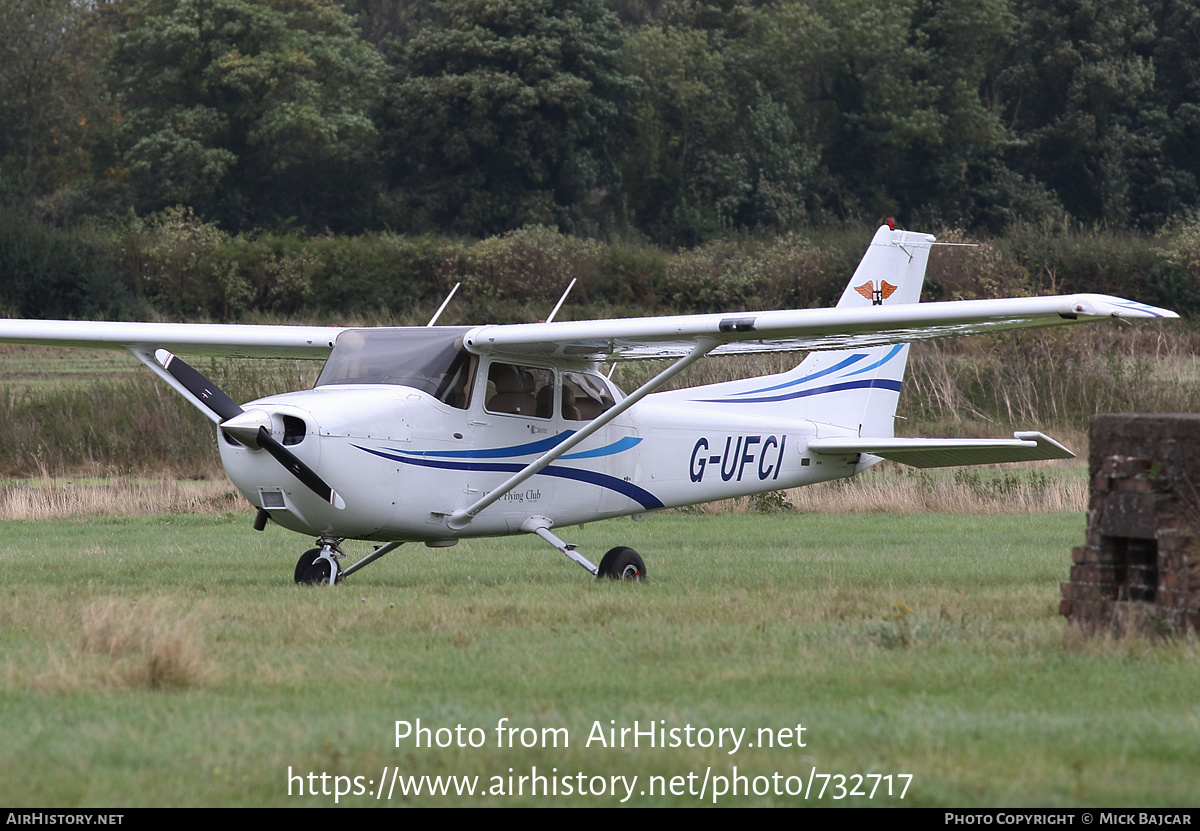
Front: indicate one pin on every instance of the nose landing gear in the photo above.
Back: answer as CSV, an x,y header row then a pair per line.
x,y
320,566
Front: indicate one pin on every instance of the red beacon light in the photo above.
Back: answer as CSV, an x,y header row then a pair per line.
x,y
891,223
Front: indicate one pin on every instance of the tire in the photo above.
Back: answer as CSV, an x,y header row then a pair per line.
x,y
312,570
622,563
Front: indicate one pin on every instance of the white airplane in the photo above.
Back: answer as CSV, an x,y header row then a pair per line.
x,y
433,434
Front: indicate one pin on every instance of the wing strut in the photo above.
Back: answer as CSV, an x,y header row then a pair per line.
x,y
461,517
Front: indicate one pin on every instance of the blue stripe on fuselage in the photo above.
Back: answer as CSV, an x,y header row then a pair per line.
x,y
643,497
830,370
873,383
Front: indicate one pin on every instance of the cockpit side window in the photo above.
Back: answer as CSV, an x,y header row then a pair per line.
x,y
520,390
585,396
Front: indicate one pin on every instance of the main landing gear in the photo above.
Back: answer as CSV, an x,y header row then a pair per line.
x,y
620,563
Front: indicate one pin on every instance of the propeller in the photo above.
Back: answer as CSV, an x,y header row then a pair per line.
x,y
250,427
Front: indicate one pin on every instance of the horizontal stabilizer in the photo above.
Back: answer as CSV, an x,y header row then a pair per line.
x,y
1026,447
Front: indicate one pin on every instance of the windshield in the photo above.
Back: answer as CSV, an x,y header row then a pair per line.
x,y
430,359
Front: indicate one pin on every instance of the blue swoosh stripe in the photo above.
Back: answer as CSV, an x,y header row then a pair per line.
x,y
894,351
873,383
540,446
842,365
627,443
643,497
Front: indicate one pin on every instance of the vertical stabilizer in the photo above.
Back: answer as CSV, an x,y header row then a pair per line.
x,y
891,272
859,388
854,389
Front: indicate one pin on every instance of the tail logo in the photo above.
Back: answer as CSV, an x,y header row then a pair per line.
x,y
876,295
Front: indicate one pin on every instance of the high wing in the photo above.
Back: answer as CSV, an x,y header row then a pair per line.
x,y
795,330
233,340
1026,447
626,339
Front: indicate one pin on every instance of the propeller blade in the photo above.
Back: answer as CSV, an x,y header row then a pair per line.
x,y
227,409
198,385
298,469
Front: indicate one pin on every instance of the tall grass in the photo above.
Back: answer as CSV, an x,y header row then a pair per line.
x,y
49,498
1054,377
127,423
132,425
900,490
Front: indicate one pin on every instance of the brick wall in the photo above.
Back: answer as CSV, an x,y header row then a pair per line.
x,y
1140,564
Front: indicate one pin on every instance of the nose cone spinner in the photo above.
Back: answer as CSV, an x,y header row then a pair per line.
x,y
245,426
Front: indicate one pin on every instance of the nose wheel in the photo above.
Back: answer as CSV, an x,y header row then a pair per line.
x,y
320,566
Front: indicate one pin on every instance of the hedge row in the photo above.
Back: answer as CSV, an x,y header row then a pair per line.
x,y
173,266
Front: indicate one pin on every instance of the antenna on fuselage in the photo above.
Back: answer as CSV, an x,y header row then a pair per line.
x,y
442,307
561,300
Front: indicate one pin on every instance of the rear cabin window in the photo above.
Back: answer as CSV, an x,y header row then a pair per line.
x,y
585,396
432,360
520,390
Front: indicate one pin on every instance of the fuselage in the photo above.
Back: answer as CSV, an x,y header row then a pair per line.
x,y
404,457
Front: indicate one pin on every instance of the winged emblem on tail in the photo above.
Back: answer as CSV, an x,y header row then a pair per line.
x,y
876,295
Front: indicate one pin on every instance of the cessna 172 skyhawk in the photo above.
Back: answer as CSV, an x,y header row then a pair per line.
x,y
433,434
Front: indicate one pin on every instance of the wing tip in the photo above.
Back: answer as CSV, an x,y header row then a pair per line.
x,y
1105,305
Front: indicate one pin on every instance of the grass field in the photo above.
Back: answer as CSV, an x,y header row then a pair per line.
x,y
168,660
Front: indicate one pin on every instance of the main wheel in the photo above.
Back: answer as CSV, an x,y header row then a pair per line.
x,y
622,563
312,569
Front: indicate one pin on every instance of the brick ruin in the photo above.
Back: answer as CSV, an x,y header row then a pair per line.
x,y
1140,565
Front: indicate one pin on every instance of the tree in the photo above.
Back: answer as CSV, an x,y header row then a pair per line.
x,y
509,114
717,144
52,103
1080,90
250,112
900,102
384,21
1170,185
679,162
